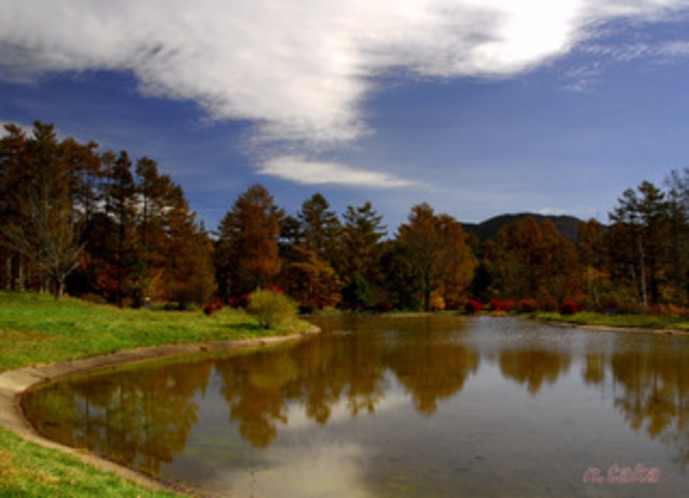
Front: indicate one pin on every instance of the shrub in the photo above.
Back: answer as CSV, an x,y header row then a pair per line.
x,y
271,308
547,303
437,303
502,306
213,306
528,306
569,308
382,307
239,301
357,292
473,306
209,309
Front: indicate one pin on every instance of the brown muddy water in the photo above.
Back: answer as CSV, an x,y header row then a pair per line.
x,y
428,406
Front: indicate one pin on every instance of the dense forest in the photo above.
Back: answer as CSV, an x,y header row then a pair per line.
x,y
102,226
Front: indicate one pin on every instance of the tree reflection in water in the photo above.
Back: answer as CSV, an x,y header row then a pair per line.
x,y
652,392
534,366
140,418
143,417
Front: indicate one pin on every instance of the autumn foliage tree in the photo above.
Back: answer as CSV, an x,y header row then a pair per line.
x,y
437,248
246,254
40,220
103,225
536,262
80,220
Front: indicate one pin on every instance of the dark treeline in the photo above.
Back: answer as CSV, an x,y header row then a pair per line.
x,y
103,226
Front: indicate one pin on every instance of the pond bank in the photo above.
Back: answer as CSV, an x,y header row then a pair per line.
x,y
13,383
628,324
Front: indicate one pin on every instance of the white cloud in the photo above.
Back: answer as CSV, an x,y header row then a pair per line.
x,y
304,171
300,70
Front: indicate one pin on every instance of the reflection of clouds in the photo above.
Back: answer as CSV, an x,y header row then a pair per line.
x,y
341,411
329,469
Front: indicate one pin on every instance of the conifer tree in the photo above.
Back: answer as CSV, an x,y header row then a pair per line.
x,y
43,225
120,195
361,238
246,255
320,228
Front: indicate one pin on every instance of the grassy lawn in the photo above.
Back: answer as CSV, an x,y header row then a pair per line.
x,y
27,470
659,322
36,329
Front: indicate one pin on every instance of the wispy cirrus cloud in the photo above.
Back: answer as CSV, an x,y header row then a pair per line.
x,y
301,71
308,172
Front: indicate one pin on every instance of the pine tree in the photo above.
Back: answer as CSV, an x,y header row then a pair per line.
x,y
362,234
246,255
120,194
43,226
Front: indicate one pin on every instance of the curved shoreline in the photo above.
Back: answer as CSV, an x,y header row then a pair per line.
x,y
14,383
608,328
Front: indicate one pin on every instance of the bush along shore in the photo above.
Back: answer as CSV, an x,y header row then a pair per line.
x,y
35,329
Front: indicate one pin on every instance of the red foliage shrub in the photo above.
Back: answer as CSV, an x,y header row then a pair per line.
x,y
528,306
239,301
506,306
275,288
473,306
569,308
209,309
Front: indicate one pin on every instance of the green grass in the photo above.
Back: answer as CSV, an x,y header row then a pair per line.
x,y
37,329
27,470
658,322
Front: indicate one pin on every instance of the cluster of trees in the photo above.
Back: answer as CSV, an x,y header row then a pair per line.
x,y
323,262
96,223
638,262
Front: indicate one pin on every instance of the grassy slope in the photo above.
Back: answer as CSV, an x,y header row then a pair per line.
x,y
28,470
36,329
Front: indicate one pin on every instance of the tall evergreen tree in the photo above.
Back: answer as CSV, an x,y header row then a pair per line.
x,y
14,164
362,234
43,225
120,194
638,240
320,227
247,247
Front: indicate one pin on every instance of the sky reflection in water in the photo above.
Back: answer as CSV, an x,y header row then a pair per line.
x,y
410,406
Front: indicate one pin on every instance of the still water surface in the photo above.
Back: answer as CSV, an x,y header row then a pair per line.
x,y
431,406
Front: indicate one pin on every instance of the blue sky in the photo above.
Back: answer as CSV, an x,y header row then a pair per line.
x,y
476,107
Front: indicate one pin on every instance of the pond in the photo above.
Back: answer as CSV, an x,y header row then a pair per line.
x,y
416,406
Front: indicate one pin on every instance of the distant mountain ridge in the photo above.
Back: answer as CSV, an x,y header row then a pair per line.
x,y
567,225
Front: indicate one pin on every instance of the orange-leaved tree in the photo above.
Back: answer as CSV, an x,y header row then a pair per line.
x,y
246,255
